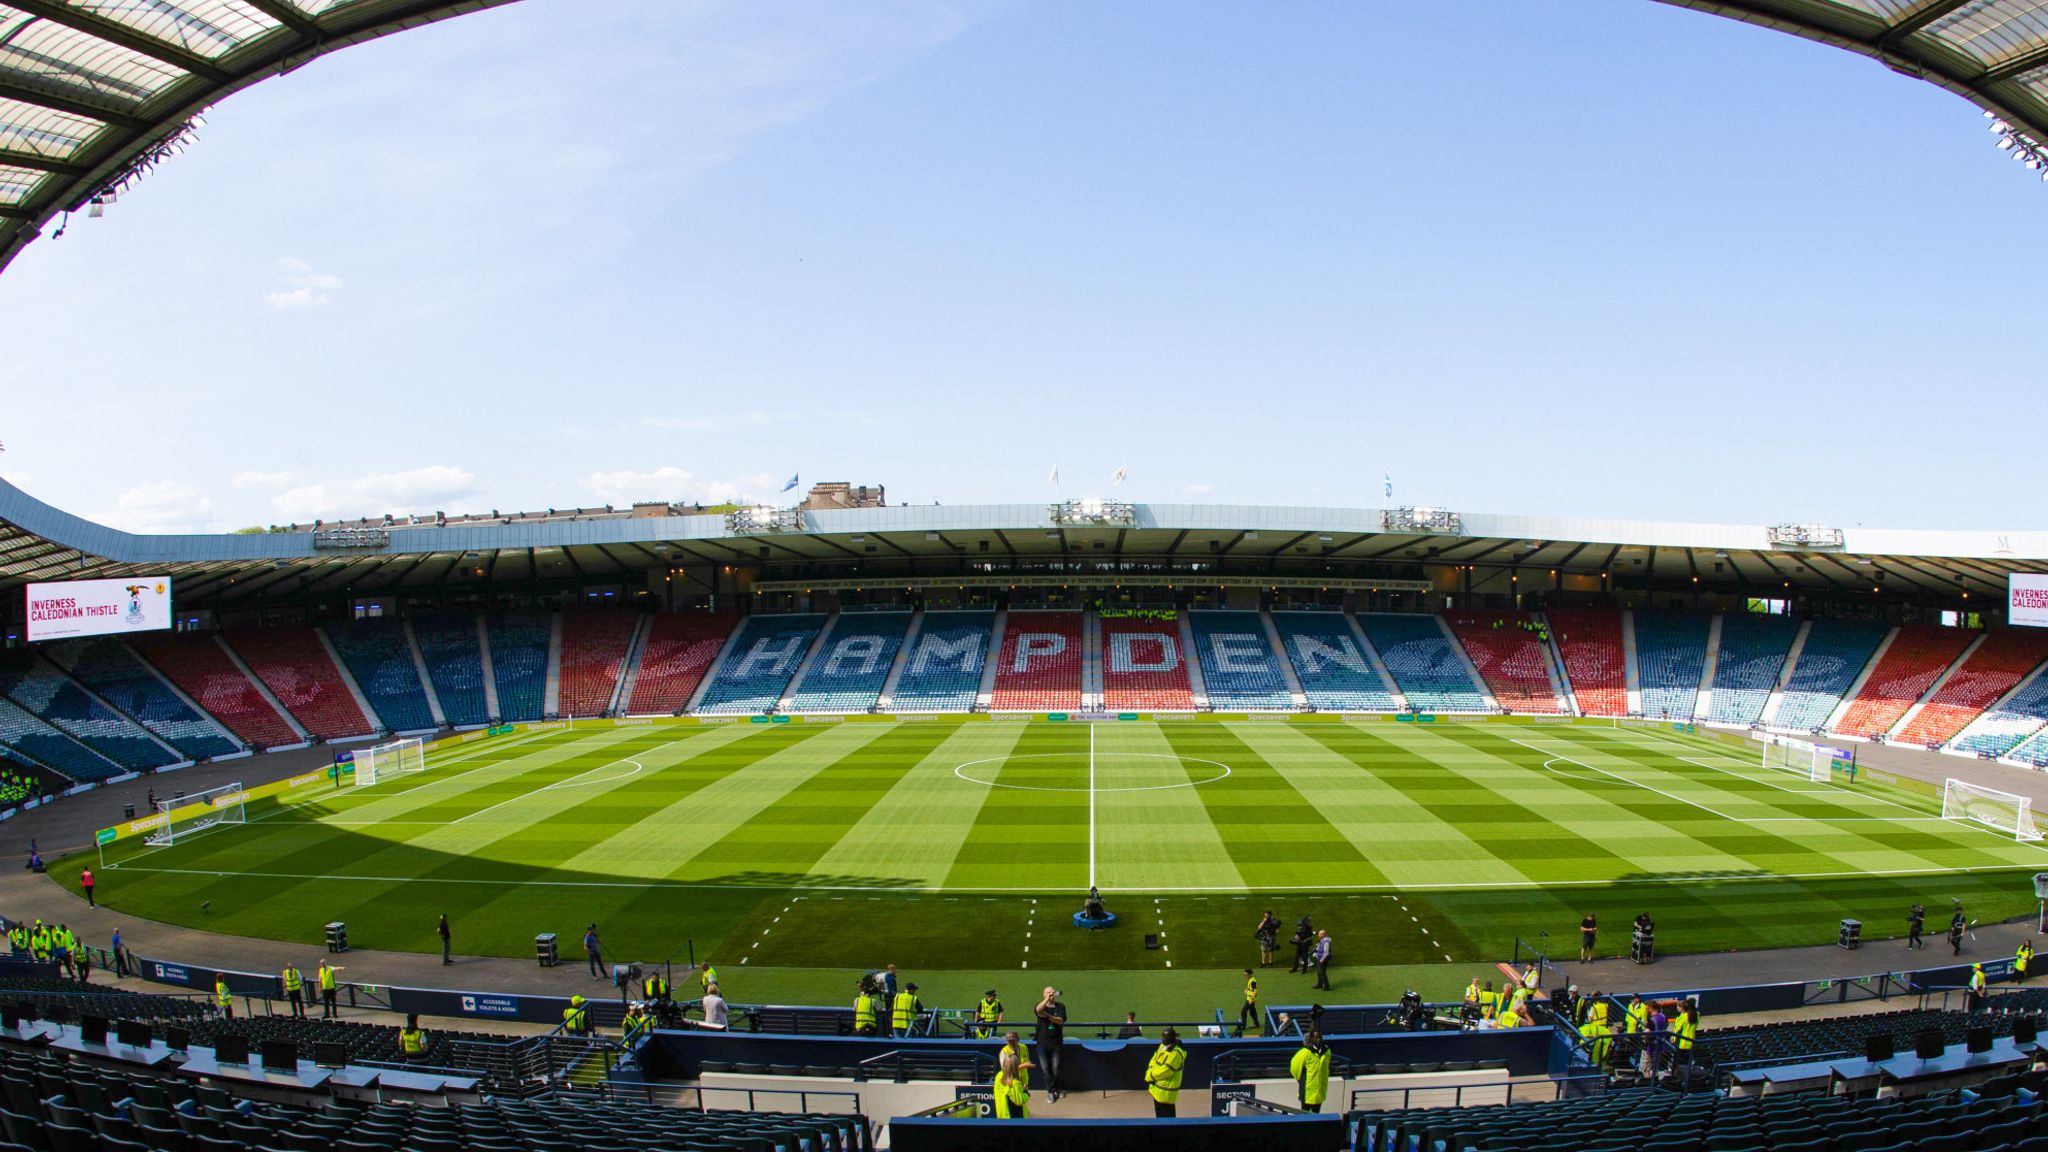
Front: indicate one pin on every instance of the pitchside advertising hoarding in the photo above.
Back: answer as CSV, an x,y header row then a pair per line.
x,y
2027,599
98,607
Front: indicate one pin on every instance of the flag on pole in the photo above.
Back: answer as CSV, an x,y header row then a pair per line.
x,y
1122,470
1390,485
791,484
1055,475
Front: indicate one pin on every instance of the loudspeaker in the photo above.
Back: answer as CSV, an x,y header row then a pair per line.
x,y
1978,1039
1879,1047
1929,1044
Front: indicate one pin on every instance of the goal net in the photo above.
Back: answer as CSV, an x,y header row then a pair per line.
x,y
1801,757
2003,811
188,815
387,760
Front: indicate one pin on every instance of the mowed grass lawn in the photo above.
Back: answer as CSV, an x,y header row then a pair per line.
x,y
965,846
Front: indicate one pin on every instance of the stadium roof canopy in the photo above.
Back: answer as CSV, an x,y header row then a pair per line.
x,y
94,91
931,543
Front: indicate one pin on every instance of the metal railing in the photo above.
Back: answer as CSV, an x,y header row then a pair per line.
x,y
1468,1095
710,1098
973,1067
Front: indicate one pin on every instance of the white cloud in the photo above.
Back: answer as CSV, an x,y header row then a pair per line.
x,y
262,479
429,489
165,506
1197,489
675,485
299,286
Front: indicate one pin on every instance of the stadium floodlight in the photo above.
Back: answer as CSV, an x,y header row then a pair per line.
x,y
2002,811
1423,519
1804,536
758,518
387,760
1091,510
335,539
195,812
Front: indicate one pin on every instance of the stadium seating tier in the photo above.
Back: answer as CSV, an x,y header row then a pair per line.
x,y
201,669
1510,656
1595,658
1911,664
455,665
295,666
1039,668
1751,661
1143,668
1238,665
1829,662
1984,677
113,672
519,664
594,650
680,648
37,742
943,671
1431,674
852,667
46,692
768,653
380,658
1671,659
1336,672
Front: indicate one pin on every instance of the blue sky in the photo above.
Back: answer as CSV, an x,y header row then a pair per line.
x,y
1602,258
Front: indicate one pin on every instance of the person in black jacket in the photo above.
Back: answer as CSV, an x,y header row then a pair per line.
x,y
1304,939
1052,1027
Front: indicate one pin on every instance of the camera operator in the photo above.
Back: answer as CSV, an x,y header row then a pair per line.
x,y
1051,1037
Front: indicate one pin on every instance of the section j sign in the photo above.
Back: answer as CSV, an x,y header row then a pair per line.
x,y
98,607
2027,599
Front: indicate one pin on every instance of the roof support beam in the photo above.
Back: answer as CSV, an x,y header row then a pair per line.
x,y
70,107
288,16
114,32
15,158
1918,20
2017,66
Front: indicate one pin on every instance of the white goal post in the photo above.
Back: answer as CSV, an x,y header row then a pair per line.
x,y
1790,754
387,760
2004,811
188,815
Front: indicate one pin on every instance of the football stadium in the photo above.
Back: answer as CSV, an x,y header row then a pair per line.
x,y
821,823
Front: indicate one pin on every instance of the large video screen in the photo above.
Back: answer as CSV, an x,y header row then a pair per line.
x,y
98,607
2027,599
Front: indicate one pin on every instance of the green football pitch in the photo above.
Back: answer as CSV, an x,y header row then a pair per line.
x,y
795,854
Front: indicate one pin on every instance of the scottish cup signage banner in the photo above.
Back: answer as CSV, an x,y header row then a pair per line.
x,y
98,607
2027,603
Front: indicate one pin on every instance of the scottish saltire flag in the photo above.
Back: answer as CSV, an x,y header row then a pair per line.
x,y
791,484
1390,485
1122,470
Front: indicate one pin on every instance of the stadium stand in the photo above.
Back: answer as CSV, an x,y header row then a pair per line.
x,y
1595,658
1039,669
455,664
1143,668
1671,657
943,671
1238,664
198,666
295,666
1509,654
519,664
1659,1120
1796,1041
680,648
2033,751
39,743
1336,673
51,697
1428,670
1998,664
1833,656
1917,657
2003,728
770,649
853,665
594,650
380,659
1752,658
108,668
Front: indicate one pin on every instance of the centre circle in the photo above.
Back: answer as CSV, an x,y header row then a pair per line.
x,y
964,771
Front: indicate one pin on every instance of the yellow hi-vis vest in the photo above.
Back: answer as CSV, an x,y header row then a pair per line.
x,y
293,981
1311,1070
221,995
863,1011
989,1011
326,978
1162,1075
412,1040
905,1010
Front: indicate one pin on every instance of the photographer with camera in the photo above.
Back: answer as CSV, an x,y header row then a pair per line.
x,y
1051,1037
